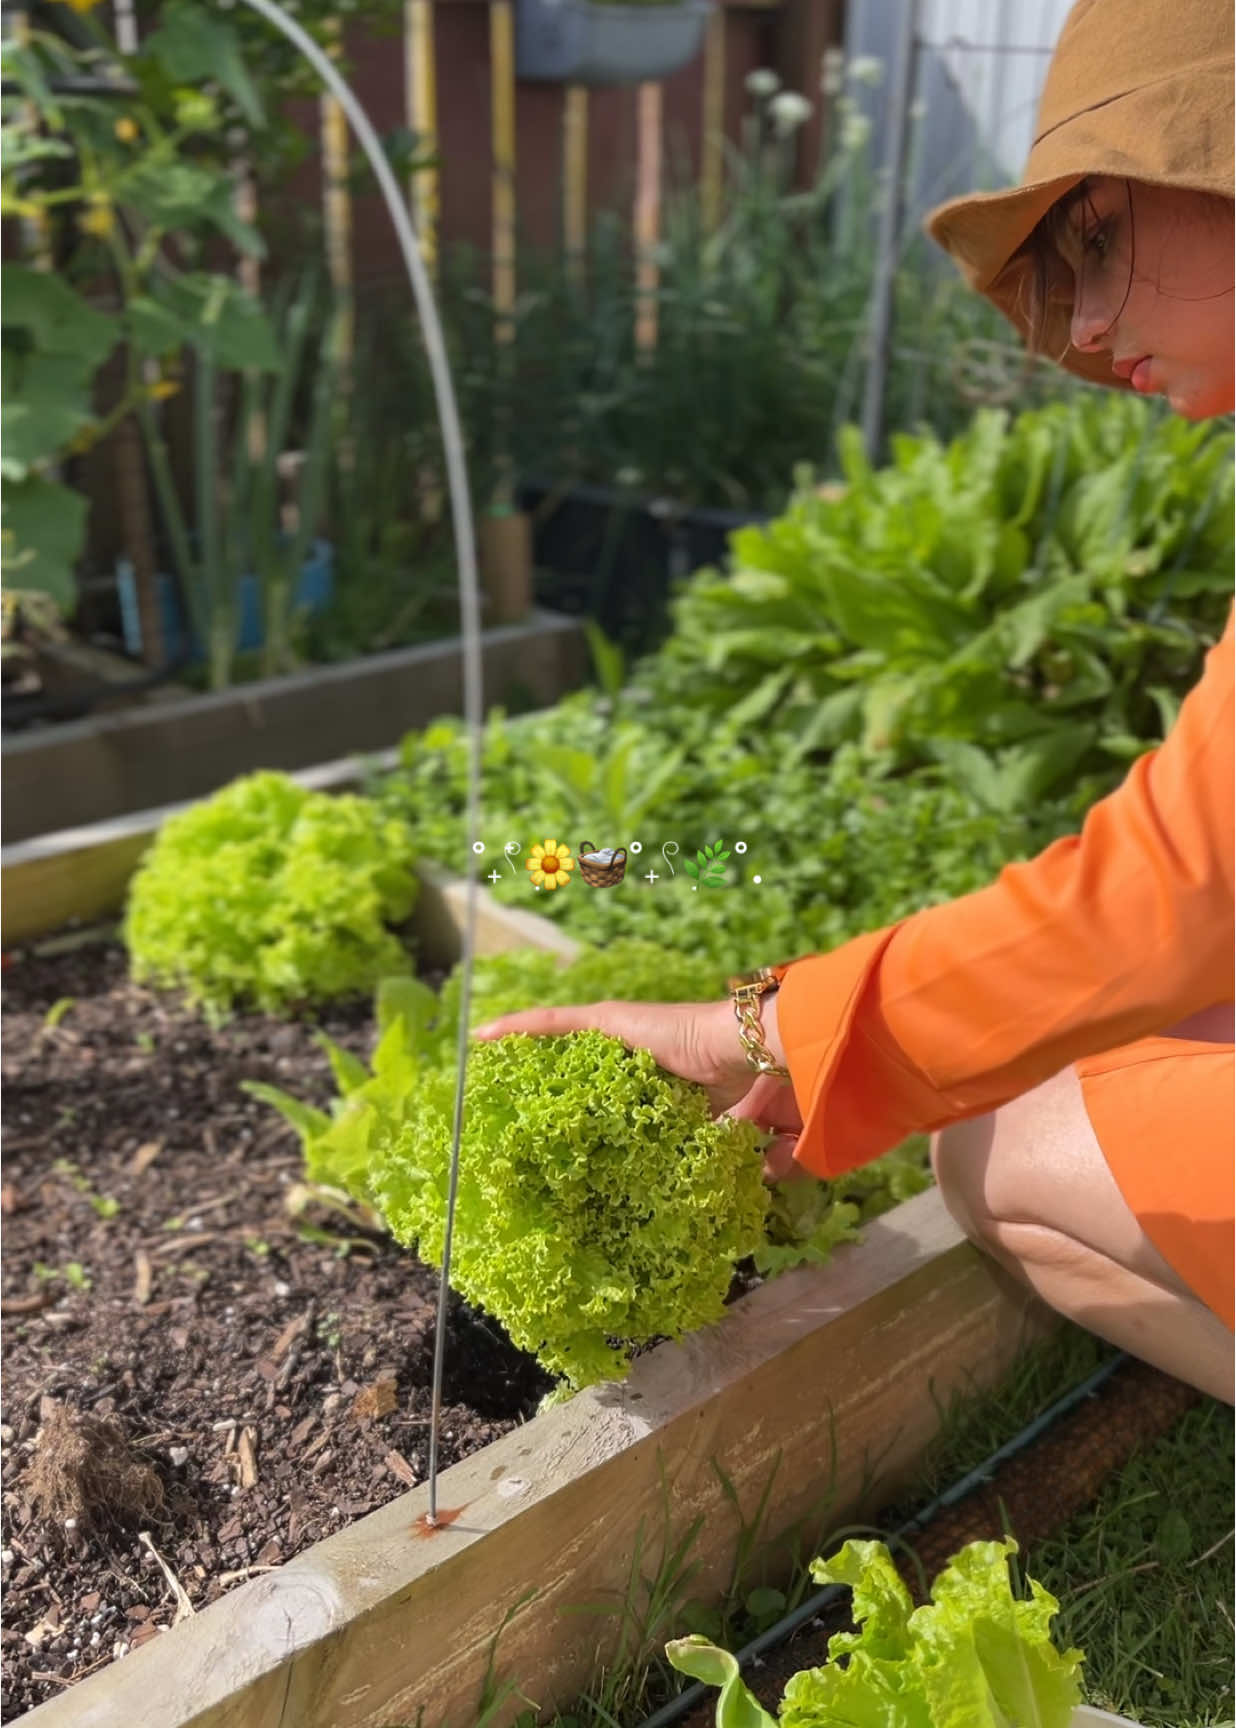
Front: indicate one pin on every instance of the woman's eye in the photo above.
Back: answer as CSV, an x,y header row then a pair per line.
x,y
1098,242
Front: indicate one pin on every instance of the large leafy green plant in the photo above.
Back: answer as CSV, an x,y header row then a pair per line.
x,y
104,176
269,894
599,1207
598,1198
1024,605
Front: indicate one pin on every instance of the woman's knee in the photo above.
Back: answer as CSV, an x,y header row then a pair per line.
x,y
958,1162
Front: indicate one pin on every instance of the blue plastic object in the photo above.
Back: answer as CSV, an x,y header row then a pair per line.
x,y
314,591
582,42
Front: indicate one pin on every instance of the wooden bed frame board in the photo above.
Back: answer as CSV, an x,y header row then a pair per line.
x,y
378,1625
83,873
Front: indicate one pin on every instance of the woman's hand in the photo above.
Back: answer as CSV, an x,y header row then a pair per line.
x,y
696,1040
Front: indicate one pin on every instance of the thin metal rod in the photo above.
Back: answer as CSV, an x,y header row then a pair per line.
x,y
469,605
890,228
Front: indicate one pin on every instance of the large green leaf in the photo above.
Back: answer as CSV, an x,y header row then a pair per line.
x,y
218,315
44,525
193,43
55,317
172,194
44,408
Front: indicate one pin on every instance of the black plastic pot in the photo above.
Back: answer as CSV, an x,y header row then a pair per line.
x,y
615,554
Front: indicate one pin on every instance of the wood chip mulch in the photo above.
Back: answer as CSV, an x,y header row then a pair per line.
x,y
198,1383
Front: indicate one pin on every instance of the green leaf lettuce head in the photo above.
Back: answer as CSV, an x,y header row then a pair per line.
x,y
272,895
600,1206
974,1656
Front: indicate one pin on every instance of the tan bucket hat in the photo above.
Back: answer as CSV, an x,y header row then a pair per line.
x,y
1142,89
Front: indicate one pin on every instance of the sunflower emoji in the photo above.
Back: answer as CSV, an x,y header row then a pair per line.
x,y
550,865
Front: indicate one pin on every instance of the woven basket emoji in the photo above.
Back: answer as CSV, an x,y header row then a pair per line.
x,y
601,869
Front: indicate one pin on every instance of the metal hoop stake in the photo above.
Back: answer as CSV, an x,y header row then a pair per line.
x,y
470,613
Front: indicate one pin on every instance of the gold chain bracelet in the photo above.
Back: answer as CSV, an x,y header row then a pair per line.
x,y
747,991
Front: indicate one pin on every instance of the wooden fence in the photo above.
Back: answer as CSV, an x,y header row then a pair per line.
x,y
540,160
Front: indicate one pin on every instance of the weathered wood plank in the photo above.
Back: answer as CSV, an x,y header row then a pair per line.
x,y
84,873
144,758
375,1625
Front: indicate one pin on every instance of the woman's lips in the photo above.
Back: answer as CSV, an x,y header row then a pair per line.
x,y
1139,378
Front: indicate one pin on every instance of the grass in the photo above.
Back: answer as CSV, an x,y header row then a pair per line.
x,y
1144,1580
1144,1577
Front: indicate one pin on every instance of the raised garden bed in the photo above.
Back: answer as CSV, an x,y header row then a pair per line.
x,y
836,1372
133,760
277,1382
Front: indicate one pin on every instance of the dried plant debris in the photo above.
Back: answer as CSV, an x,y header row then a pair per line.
x,y
85,1474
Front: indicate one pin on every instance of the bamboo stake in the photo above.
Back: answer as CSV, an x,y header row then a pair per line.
x,y
647,214
502,102
422,105
575,178
502,108
337,212
712,121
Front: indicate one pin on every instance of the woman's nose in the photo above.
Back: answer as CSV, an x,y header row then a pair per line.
x,y
1093,316
1089,329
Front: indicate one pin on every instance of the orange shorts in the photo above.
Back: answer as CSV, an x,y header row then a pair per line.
x,y
1162,1111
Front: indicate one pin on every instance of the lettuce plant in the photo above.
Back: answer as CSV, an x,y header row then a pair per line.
x,y
272,895
1024,603
599,1205
558,1159
975,1656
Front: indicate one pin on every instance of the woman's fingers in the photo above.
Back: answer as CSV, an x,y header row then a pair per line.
x,y
696,1040
544,1021
768,1100
780,1164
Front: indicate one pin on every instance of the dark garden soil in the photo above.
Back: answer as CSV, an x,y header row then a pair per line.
x,y
189,1367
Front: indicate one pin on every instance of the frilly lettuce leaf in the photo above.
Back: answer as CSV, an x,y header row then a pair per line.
x,y
974,1656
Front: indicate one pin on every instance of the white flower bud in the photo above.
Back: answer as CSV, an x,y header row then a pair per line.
x,y
855,131
832,78
789,111
867,69
762,82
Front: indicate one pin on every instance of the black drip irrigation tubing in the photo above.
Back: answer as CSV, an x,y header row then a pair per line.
x,y
697,1693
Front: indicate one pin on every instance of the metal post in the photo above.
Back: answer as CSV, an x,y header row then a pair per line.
x,y
900,95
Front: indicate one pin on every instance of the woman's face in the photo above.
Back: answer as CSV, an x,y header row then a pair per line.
x,y
1152,273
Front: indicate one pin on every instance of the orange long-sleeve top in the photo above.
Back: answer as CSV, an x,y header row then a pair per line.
x,y
1109,935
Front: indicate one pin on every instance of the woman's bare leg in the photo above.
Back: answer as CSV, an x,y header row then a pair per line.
x,y
1029,1184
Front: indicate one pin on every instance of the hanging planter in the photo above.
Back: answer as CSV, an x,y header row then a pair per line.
x,y
578,42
